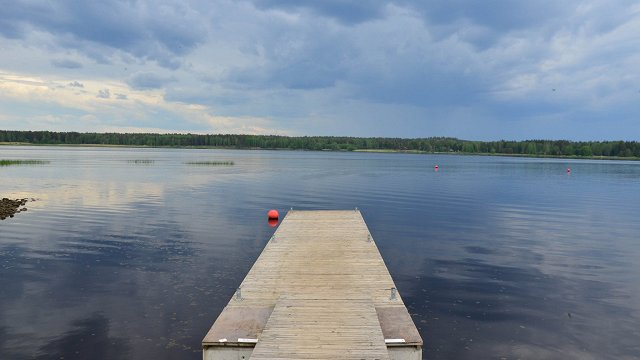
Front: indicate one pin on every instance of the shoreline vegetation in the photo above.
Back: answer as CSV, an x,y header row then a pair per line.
x,y
141,161
210,163
601,150
4,162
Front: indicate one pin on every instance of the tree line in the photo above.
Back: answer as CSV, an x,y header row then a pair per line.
x,y
431,145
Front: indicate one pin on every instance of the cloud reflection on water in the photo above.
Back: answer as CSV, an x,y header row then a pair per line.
x,y
89,338
491,257
507,311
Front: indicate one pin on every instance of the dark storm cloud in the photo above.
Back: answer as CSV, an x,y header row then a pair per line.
x,y
76,84
424,88
499,15
348,12
391,62
15,17
148,81
305,60
104,94
160,32
489,62
66,64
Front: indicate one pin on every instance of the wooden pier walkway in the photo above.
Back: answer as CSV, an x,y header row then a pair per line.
x,y
319,290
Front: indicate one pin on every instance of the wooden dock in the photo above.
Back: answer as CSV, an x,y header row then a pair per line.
x,y
319,290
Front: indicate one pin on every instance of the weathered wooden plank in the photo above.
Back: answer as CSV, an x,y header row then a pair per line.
x,y
324,278
322,329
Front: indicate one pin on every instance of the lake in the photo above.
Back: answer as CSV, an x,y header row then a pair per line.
x,y
133,253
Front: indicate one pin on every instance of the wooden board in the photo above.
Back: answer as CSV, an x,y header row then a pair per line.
x,y
322,329
325,277
238,322
320,253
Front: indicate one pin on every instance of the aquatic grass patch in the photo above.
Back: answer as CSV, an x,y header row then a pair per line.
x,y
5,162
141,161
210,163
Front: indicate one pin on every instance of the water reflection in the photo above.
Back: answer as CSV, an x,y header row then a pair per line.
x,y
88,338
518,312
495,257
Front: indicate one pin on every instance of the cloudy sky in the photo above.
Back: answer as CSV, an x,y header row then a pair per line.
x,y
471,69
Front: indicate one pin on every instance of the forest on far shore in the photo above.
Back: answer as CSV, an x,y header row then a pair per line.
x,y
615,149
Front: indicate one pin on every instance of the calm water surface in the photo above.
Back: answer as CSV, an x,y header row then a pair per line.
x,y
495,257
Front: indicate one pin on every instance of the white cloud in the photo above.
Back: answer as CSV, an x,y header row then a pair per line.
x,y
76,104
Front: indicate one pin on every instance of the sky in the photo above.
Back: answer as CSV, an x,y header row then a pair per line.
x,y
477,70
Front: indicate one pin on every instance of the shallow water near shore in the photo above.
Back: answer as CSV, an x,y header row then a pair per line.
x,y
132,253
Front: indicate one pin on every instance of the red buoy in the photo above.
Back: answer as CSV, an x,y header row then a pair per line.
x,y
273,214
568,170
436,167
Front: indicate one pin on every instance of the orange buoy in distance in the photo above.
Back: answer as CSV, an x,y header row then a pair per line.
x,y
436,167
273,214
568,170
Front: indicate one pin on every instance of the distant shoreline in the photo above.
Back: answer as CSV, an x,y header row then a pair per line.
x,y
383,151
576,157
602,150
